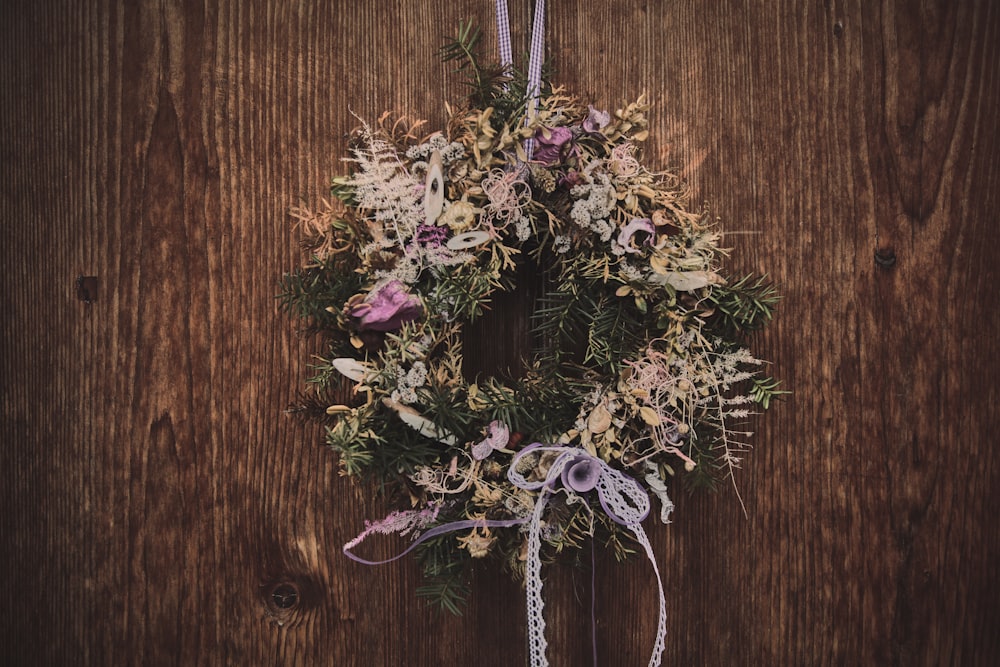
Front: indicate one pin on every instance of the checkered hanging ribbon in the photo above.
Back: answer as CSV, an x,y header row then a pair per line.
x,y
535,59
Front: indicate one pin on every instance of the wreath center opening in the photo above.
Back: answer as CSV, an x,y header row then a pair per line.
x,y
500,342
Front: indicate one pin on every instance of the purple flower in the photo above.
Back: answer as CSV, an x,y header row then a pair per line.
x,y
637,225
549,149
498,437
571,178
388,308
581,474
595,120
431,235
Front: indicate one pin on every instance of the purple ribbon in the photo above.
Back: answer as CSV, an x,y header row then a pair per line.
x,y
535,67
536,56
432,533
622,498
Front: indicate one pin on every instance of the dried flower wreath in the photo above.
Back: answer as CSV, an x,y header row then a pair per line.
x,y
639,369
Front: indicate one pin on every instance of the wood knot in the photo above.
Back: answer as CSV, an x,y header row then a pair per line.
x,y
287,598
838,28
86,288
284,596
885,258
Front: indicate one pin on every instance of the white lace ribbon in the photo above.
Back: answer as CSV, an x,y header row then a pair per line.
x,y
621,497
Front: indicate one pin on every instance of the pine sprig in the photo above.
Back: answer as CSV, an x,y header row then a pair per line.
x,y
612,332
764,389
743,306
504,89
485,79
445,587
311,406
463,294
309,292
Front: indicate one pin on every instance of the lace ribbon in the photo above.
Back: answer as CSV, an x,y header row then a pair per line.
x,y
621,497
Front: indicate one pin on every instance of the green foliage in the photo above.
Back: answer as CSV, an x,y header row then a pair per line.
x,y
464,294
485,79
614,329
445,587
342,190
621,542
446,402
308,292
491,84
587,311
380,447
743,306
763,389
535,404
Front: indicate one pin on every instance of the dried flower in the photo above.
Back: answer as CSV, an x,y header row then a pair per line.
x,y
637,225
550,144
388,308
499,434
476,543
595,120
459,216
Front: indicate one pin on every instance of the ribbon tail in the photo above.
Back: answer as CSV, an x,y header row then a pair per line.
x,y
503,36
533,584
593,601
535,69
464,524
661,628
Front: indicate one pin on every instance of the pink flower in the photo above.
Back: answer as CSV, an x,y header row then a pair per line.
x,y
388,308
549,149
498,437
637,225
595,120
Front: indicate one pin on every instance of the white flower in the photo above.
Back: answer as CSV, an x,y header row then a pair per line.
x,y
522,229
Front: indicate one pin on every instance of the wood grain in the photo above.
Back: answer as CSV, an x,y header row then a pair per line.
x,y
159,507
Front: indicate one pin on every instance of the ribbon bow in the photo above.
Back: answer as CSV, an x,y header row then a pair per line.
x,y
621,497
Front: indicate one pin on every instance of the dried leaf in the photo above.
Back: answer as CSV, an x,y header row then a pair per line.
x,y
649,416
350,368
599,420
419,423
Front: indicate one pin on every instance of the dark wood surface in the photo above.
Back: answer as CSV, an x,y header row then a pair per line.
x,y
158,506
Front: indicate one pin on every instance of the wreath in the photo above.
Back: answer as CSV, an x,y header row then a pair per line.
x,y
638,372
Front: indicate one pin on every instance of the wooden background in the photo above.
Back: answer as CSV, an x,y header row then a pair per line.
x,y
158,508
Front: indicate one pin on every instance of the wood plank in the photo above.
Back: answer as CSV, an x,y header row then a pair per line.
x,y
159,508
